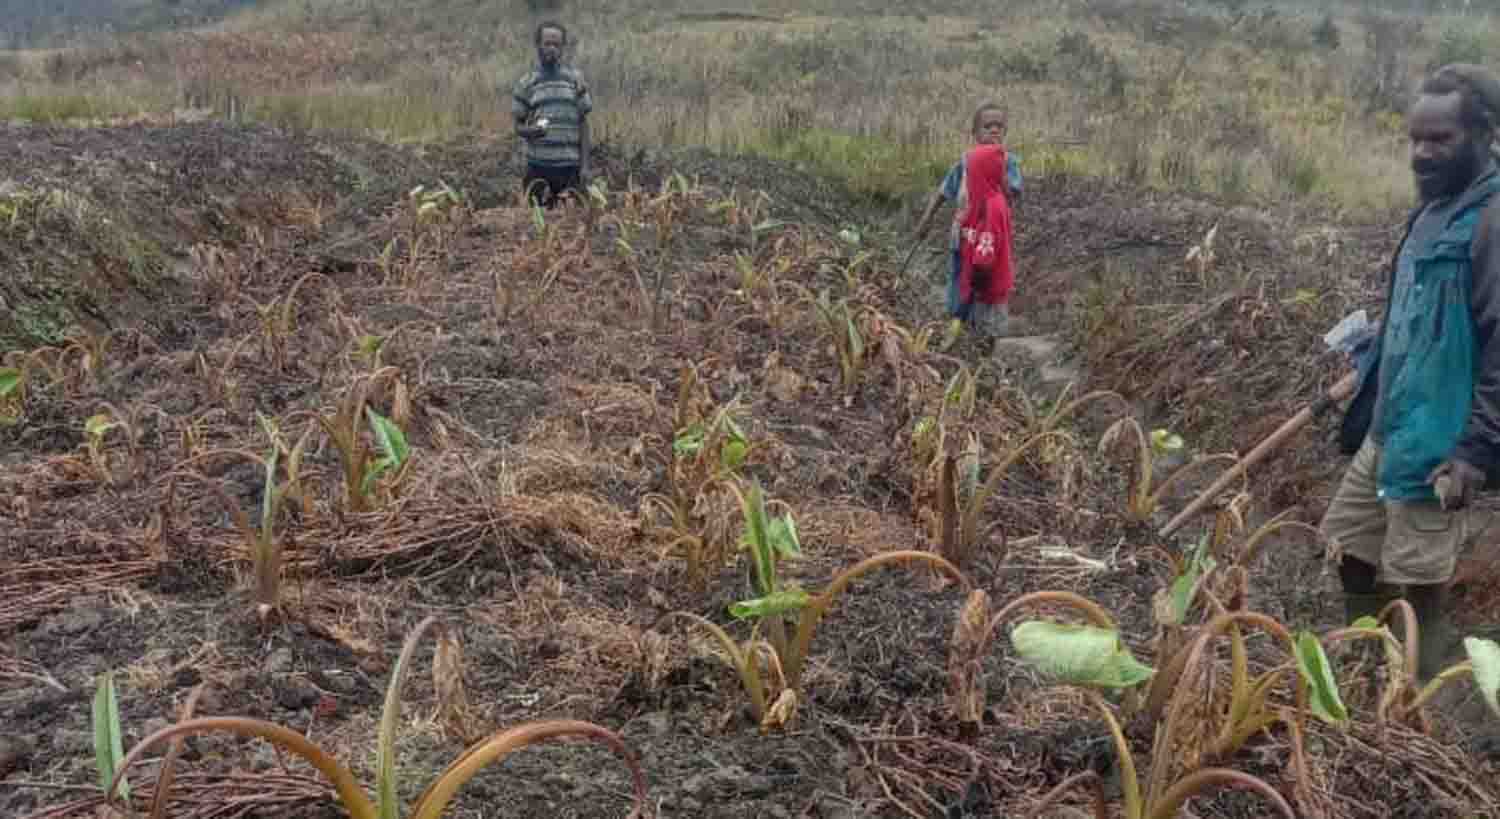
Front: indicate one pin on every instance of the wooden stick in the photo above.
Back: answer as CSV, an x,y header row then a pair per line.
x,y
1337,392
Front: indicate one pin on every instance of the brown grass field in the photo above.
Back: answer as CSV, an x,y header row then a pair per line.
x,y
204,288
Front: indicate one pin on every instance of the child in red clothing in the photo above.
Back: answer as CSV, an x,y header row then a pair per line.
x,y
986,273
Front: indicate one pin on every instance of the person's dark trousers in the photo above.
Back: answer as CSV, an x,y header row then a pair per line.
x,y
544,183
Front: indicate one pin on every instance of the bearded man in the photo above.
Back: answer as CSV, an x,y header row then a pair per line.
x,y
1424,428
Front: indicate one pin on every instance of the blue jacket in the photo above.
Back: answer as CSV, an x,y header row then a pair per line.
x,y
1445,401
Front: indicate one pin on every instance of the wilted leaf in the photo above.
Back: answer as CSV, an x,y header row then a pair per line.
x,y
784,384
781,712
1079,655
1485,655
448,682
1313,664
771,605
965,671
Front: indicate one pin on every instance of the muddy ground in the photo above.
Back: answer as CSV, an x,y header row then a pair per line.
x,y
539,403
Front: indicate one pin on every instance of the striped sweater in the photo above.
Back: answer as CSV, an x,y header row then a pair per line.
x,y
561,96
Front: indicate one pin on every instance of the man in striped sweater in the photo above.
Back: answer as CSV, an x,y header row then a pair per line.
x,y
551,104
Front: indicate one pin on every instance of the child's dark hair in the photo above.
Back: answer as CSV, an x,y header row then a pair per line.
x,y
559,27
983,109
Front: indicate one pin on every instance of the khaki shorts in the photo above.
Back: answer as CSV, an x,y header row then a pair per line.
x,y
1415,543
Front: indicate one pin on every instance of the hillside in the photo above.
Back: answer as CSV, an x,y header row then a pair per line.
x,y
287,372
541,403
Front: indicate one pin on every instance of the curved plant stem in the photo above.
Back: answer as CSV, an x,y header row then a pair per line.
x,y
1250,551
1192,655
385,750
1087,779
1076,404
744,663
970,521
1167,805
351,796
1091,611
1130,782
435,798
818,606
164,778
1154,497
1448,675
1411,639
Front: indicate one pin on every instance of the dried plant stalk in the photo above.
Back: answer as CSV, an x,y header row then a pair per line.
x,y
965,668
453,712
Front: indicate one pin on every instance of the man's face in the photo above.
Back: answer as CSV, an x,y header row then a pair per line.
x,y
549,48
1445,156
991,128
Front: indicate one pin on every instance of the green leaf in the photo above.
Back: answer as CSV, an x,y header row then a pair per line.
x,y
757,539
1185,587
1164,442
689,441
1485,655
732,454
99,424
269,497
773,604
369,345
389,437
109,749
782,533
1079,655
373,474
10,380
1366,622
1313,664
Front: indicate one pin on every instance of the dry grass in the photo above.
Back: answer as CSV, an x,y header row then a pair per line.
x,y
1250,108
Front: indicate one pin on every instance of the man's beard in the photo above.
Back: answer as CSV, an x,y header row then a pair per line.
x,y
1439,179
547,59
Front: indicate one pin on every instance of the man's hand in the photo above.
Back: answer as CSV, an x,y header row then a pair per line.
x,y
1456,482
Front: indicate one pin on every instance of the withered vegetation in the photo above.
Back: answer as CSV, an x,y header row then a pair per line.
x,y
545,428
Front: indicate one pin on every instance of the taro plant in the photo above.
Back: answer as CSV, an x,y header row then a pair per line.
x,y
278,320
366,470
848,341
769,540
1042,416
708,448
1144,493
1092,657
962,499
95,429
266,547
387,804
1402,699
260,536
